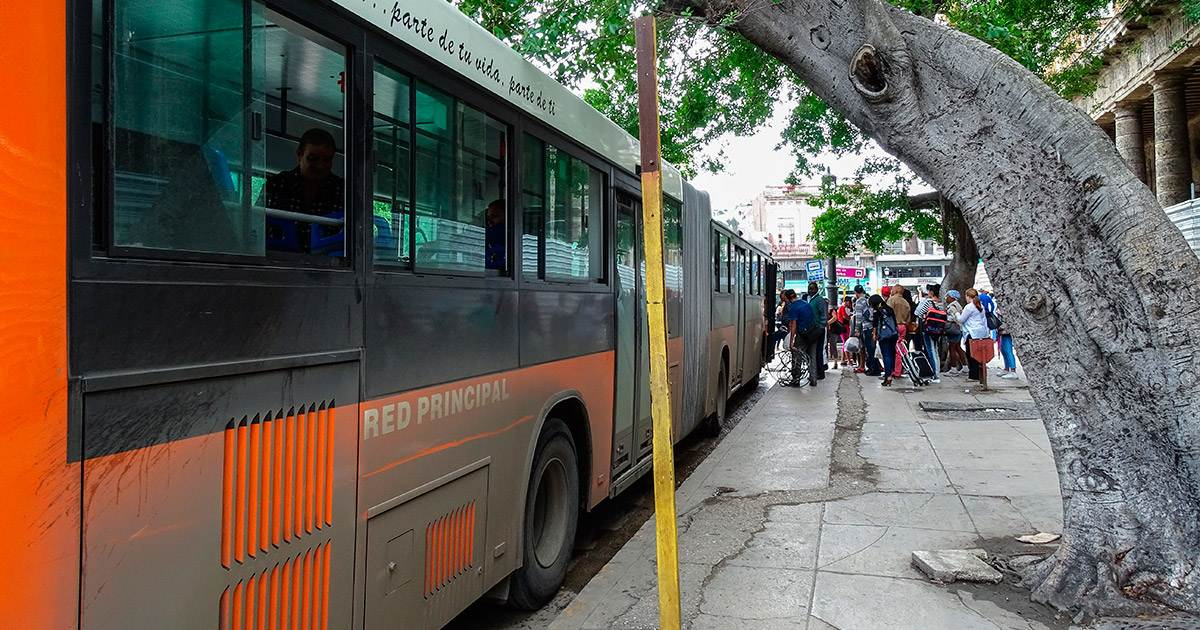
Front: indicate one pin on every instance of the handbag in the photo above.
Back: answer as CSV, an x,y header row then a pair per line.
x,y
993,320
887,327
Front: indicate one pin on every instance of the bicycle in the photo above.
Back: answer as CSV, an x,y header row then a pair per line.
x,y
780,366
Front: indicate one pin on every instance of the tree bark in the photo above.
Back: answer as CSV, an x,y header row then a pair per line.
x,y
960,274
956,237
1093,279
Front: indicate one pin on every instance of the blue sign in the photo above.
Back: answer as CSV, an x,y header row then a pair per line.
x,y
816,270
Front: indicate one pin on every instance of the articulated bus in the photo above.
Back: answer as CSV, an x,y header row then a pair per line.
x,y
324,314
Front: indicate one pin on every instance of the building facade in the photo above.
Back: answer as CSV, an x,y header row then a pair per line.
x,y
784,214
1147,98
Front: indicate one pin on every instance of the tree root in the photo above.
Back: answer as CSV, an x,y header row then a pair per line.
x,y
1088,588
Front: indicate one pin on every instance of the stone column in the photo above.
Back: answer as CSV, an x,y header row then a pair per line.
x,y
1129,137
1172,149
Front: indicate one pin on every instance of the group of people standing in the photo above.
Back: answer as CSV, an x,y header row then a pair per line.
x,y
895,321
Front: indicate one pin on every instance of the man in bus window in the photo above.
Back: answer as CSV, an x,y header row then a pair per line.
x,y
310,188
496,235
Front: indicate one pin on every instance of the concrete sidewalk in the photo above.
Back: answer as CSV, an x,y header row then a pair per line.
x,y
805,516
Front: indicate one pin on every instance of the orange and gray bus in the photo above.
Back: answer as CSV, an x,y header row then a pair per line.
x,y
323,315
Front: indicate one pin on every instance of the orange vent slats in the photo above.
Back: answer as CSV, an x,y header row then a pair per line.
x,y
285,595
318,512
238,606
273,600
323,619
306,585
329,426
252,502
289,483
310,489
293,595
268,453
277,480
449,547
277,488
251,600
239,513
298,476
227,497
297,589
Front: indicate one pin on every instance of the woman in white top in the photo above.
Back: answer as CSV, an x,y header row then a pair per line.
x,y
980,347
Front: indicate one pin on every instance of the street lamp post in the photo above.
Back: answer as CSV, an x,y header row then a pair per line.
x,y
828,182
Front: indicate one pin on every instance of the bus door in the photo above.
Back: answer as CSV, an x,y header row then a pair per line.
x,y
770,293
738,360
632,423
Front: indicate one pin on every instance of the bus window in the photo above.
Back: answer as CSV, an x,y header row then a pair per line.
x,y
718,281
726,266
461,187
673,264
754,276
673,243
758,274
573,248
533,196
303,193
391,199
220,147
563,216
743,260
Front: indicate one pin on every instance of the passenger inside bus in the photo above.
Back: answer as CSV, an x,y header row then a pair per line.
x,y
310,188
496,235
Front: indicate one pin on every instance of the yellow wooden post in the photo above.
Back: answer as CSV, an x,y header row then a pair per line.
x,y
660,395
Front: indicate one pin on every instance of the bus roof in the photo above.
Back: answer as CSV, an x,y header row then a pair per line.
x,y
445,34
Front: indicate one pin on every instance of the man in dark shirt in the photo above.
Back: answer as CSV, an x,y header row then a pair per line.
x,y
820,306
804,337
310,188
495,236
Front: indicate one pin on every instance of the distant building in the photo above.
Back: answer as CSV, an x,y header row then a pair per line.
x,y
784,216
912,262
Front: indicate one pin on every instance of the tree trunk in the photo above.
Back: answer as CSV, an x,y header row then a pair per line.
x,y
960,274
1095,282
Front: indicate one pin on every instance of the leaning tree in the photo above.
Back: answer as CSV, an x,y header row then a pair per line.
x,y
1093,278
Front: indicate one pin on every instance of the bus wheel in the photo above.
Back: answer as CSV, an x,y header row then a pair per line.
x,y
551,516
712,426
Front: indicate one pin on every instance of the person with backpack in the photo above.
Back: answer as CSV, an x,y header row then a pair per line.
x,y
931,317
1003,340
804,336
955,359
888,333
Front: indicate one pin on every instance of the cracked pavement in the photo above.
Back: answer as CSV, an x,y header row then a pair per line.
x,y
805,516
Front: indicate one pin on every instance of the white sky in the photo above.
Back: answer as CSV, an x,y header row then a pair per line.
x,y
753,163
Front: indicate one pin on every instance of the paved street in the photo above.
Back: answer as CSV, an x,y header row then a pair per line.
x,y
807,514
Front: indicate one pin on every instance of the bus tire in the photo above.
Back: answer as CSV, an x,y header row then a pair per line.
x,y
551,518
712,426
